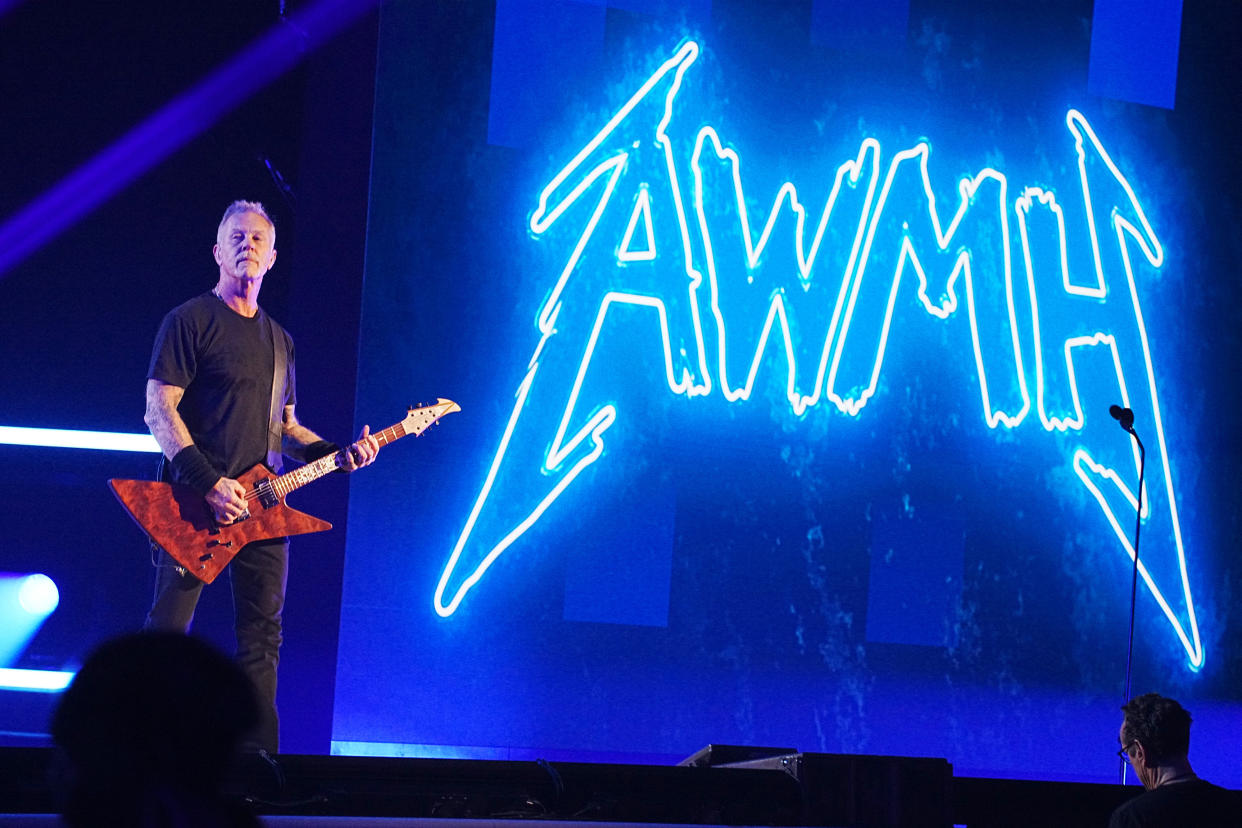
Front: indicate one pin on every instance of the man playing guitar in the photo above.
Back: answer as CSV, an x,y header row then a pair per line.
x,y
220,399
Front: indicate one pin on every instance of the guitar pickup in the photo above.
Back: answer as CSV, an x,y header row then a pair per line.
x,y
267,495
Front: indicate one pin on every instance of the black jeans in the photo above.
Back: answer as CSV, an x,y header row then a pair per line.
x,y
258,575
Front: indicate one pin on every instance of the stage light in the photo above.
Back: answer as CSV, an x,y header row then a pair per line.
x,y
148,143
38,681
26,600
71,438
38,595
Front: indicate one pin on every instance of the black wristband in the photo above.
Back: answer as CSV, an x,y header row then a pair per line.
x,y
321,448
194,470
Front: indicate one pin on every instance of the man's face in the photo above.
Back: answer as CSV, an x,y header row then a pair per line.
x,y
245,247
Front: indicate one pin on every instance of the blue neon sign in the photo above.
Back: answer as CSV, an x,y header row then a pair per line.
x,y
688,254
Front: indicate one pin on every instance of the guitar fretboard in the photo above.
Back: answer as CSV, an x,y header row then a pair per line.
x,y
419,420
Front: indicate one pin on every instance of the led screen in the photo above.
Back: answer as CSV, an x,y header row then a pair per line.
x,y
794,345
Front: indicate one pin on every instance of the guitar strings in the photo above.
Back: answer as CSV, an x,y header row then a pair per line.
x,y
384,437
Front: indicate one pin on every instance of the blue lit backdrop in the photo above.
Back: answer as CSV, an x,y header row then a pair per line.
x,y
785,342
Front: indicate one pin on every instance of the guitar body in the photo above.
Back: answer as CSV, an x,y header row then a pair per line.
x,y
181,522
177,519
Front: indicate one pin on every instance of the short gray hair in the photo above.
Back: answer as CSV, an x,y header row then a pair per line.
x,y
241,206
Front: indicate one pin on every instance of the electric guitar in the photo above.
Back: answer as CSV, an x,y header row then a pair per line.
x,y
179,520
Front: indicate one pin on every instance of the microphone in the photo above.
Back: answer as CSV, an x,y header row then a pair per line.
x,y
1122,415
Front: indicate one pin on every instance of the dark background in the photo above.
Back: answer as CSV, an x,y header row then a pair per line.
x,y
79,315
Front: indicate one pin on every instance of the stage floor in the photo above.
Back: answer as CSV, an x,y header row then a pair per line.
x,y
787,790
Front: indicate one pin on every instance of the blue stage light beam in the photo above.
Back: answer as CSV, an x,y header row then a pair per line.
x,y
26,600
35,681
264,60
73,438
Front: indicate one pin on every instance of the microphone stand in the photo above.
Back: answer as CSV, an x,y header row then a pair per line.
x,y
1138,525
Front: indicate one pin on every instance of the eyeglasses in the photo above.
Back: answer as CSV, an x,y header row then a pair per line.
x,y
1124,753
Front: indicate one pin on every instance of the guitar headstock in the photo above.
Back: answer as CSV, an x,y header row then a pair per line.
x,y
418,419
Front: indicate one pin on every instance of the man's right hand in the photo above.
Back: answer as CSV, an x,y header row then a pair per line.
x,y
227,500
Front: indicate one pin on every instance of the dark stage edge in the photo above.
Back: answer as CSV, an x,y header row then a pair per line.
x,y
796,789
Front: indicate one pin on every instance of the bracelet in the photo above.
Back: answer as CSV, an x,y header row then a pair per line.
x,y
194,470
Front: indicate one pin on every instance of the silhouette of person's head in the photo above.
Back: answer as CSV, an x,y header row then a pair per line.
x,y
152,720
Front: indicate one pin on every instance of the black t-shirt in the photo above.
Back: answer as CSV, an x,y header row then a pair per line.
x,y
1193,804
224,361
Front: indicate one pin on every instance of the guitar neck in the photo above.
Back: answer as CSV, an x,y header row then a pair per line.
x,y
299,477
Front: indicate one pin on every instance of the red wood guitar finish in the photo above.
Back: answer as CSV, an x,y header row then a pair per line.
x,y
179,520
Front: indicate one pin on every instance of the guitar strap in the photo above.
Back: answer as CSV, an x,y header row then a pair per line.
x,y
275,426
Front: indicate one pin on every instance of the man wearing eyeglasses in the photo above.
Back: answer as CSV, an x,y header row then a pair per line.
x,y
1155,740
